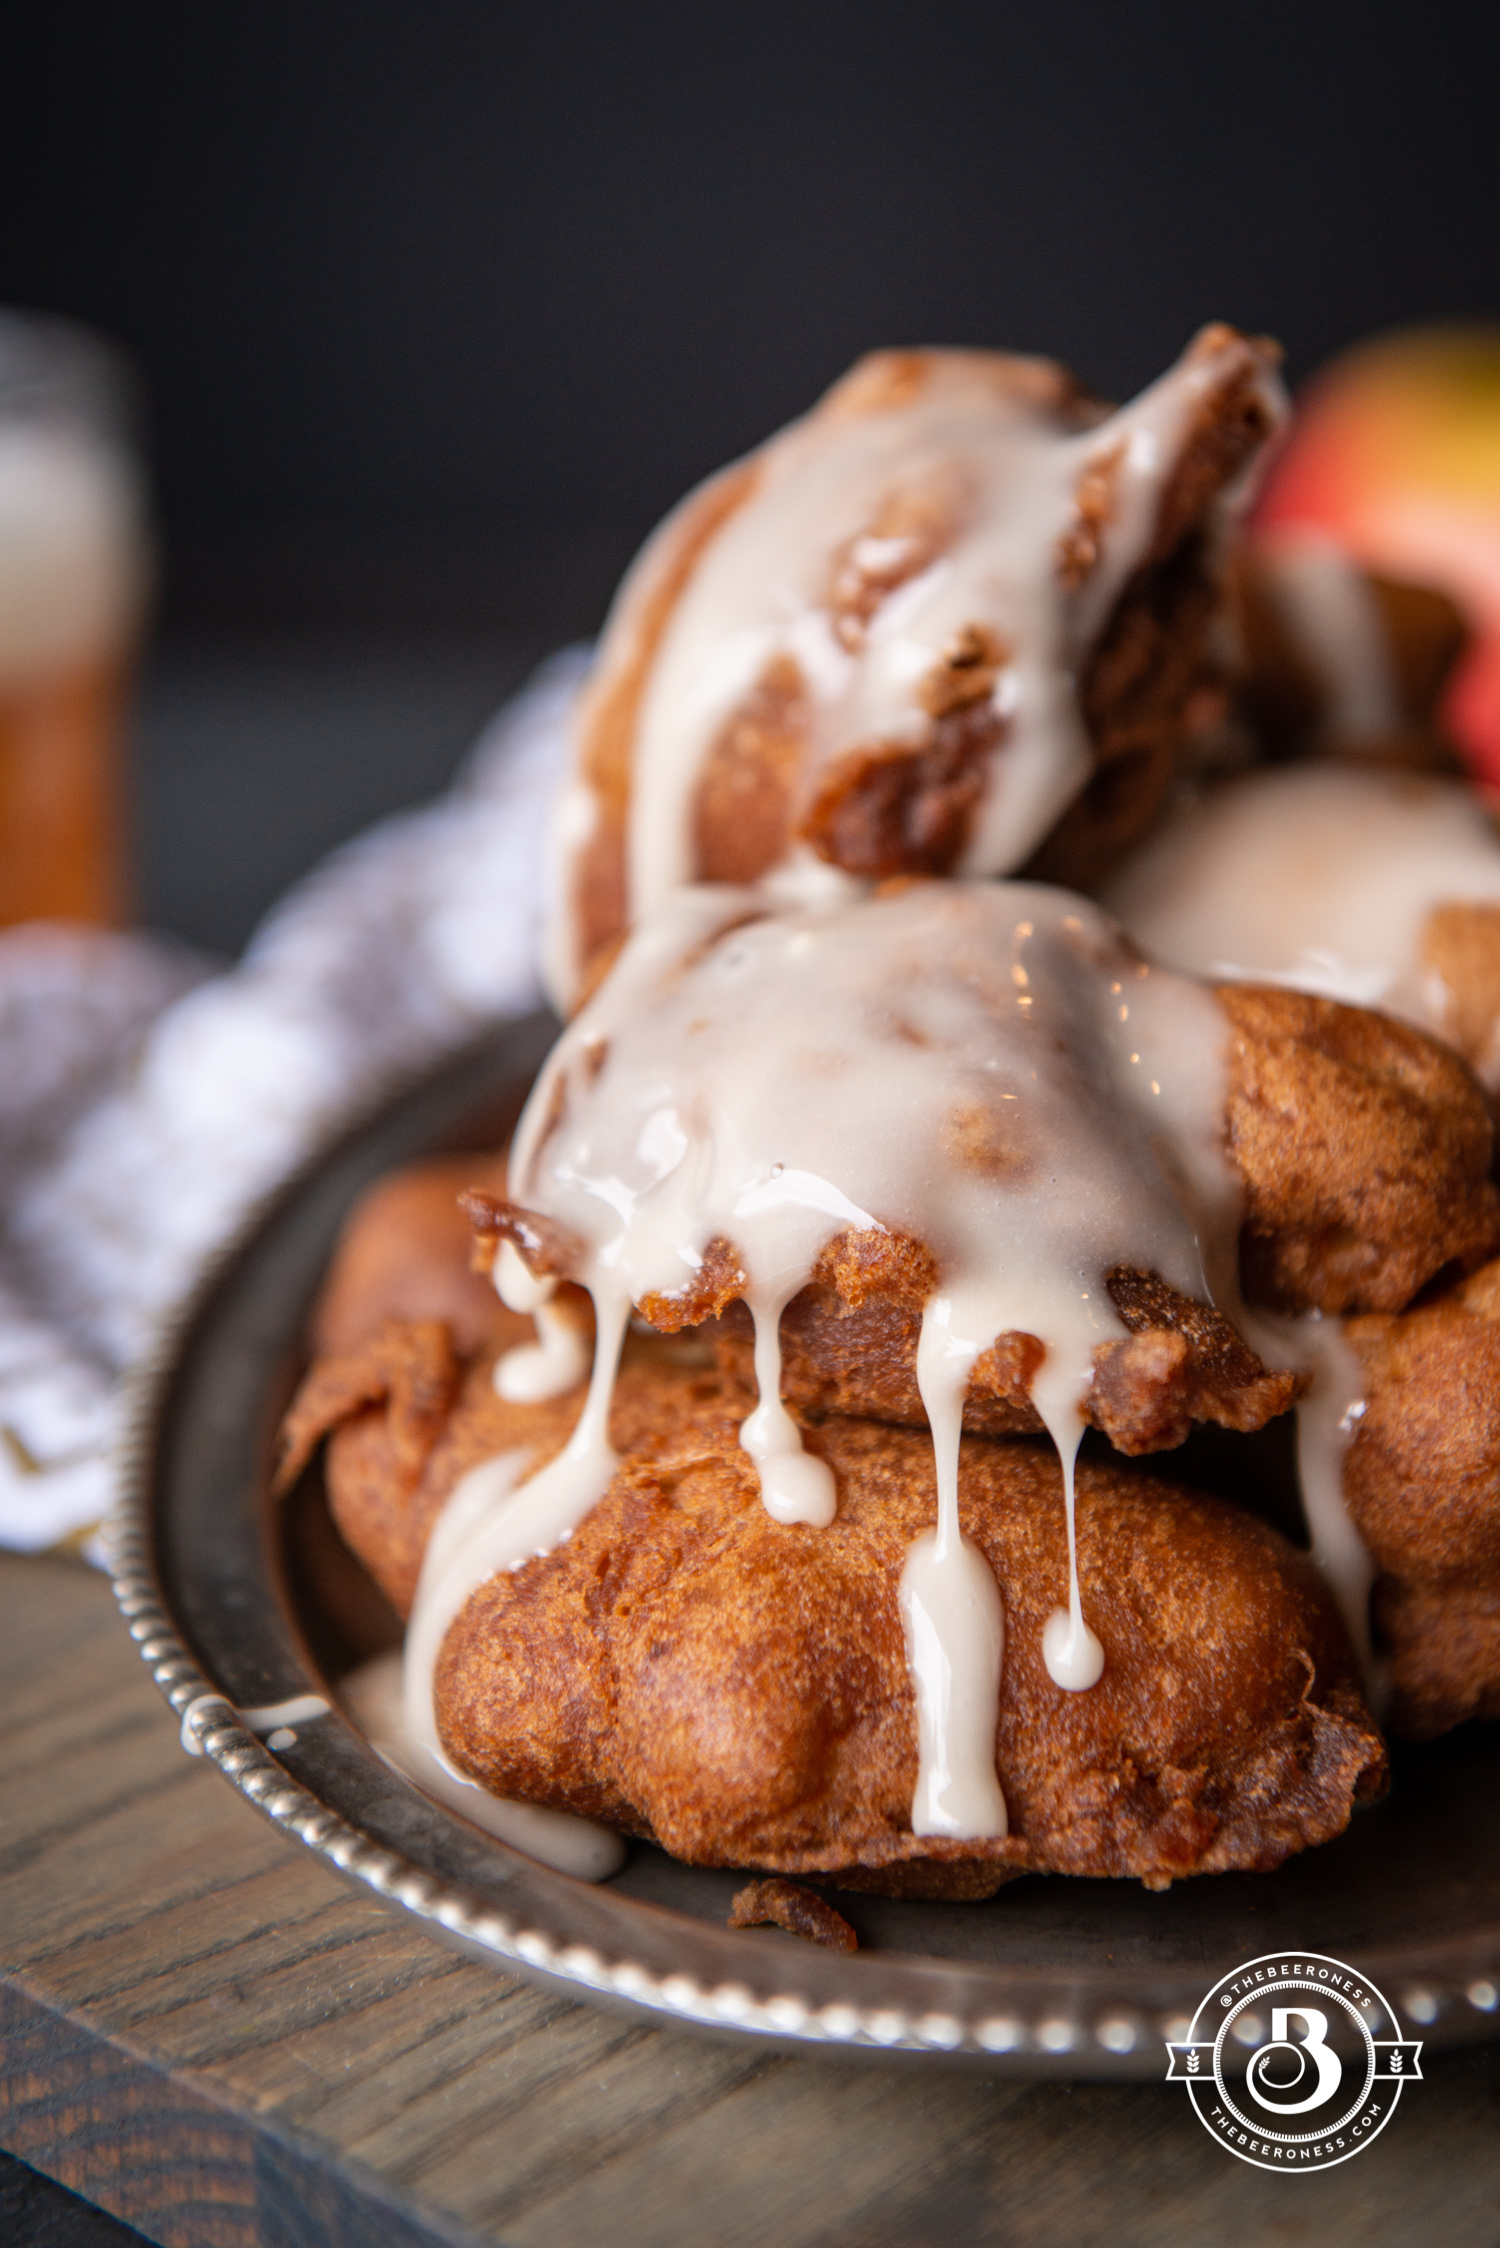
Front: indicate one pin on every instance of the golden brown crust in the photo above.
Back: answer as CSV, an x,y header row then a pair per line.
x,y
607,718
1231,424
1460,947
688,1669
403,1253
1444,1643
742,807
889,810
548,1250
407,1365
801,1912
856,1352
1365,1149
1221,1379
885,808
739,1690
390,1467
1422,1481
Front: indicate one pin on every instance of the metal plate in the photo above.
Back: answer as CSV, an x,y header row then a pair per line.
x,y
1052,1977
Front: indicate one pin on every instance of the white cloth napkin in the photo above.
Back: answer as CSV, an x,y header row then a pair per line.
x,y
146,1103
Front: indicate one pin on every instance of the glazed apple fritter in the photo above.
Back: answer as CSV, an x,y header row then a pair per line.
x,y
1364,1148
688,1669
909,807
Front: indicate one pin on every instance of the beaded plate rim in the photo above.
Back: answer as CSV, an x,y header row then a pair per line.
x,y
1033,2024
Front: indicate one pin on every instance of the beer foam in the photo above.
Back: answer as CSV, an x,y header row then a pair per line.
x,y
73,557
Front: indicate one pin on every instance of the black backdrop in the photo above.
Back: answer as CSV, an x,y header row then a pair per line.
x,y
440,304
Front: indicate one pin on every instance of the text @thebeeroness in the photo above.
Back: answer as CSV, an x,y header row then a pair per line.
x,y
1283,2066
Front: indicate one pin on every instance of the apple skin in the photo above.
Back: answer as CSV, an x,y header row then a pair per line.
x,y
1394,452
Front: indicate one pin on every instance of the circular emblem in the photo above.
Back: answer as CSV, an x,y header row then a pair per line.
x,y
1284,2064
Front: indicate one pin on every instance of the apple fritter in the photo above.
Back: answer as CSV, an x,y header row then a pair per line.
x,y
1422,1481
692,1671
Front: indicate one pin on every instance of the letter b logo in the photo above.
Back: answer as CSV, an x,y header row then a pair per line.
x,y
1278,2076
1319,2090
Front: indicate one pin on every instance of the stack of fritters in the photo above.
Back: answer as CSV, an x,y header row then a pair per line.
x,y
737,1688
692,1671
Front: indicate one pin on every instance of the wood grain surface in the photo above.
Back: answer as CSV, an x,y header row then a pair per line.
x,y
214,2038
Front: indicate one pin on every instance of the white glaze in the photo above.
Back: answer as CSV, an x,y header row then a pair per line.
x,y
275,1720
954,1620
795,1485
1328,1416
559,1358
1073,1655
774,1080
518,1288
555,1363
1327,1419
273,1717
494,1519
1317,876
994,471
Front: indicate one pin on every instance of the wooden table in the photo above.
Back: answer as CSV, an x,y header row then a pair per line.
x,y
213,2037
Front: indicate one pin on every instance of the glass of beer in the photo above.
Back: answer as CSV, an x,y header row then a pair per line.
x,y
74,575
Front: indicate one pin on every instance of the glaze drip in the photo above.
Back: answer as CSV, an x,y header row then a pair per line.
x,y
558,1360
498,1517
1325,878
981,1069
795,1486
1327,1417
1018,522
555,1363
1326,1422
954,1620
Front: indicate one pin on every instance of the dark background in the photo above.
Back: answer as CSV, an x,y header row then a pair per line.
x,y
438,306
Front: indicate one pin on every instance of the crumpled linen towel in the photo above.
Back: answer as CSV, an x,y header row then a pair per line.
x,y
147,1103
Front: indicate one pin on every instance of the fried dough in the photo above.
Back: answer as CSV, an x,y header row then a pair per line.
x,y
1422,1481
849,1345
898,803
688,1669
404,1253
1364,1148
